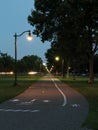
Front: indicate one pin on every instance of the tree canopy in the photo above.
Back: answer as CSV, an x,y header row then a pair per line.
x,y
6,62
26,64
71,24
29,63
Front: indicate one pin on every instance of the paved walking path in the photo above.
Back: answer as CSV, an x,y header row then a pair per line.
x,y
46,105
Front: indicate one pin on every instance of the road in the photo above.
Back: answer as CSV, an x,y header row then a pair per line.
x,y
46,105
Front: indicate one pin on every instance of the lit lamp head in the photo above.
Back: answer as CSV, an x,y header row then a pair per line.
x,y
29,36
57,58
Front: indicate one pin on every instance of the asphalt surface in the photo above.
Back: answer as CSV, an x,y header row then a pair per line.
x,y
46,105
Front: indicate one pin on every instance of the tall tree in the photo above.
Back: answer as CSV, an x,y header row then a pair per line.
x,y
89,27
74,23
28,63
6,62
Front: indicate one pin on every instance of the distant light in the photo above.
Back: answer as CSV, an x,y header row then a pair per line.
x,y
44,64
3,73
69,67
11,72
57,58
32,73
51,68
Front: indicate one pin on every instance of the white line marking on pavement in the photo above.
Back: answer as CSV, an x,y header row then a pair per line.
x,y
27,103
46,101
33,100
75,105
14,100
17,110
64,97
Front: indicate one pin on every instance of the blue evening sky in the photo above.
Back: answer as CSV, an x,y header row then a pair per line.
x,y
13,18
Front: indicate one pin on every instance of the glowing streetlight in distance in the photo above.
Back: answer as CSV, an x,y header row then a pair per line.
x,y
57,58
44,64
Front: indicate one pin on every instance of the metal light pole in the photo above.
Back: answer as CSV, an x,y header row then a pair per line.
x,y
15,67
62,65
62,68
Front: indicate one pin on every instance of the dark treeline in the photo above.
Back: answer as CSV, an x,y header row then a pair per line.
x,y
27,63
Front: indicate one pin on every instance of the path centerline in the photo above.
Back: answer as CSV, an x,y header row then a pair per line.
x,y
64,96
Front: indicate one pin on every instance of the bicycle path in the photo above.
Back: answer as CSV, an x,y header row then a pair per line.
x,y
46,105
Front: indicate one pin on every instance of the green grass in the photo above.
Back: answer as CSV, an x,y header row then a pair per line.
x,y
7,88
90,91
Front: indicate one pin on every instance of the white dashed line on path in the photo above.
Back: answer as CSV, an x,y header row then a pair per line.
x,y
18,110
14,100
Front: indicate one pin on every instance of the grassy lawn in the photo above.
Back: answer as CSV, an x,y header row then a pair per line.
x,y
90,91
8,90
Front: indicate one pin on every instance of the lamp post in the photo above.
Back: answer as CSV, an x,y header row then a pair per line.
x,y
62,68
15,36
57,59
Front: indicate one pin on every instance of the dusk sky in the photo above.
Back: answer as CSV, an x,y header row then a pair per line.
x,y
13,18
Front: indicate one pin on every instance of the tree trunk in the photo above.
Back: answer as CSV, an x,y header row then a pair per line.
x,y
68,68
91,73
63,68
67,73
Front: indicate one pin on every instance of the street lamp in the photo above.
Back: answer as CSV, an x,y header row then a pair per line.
x,y
15,36
57,59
